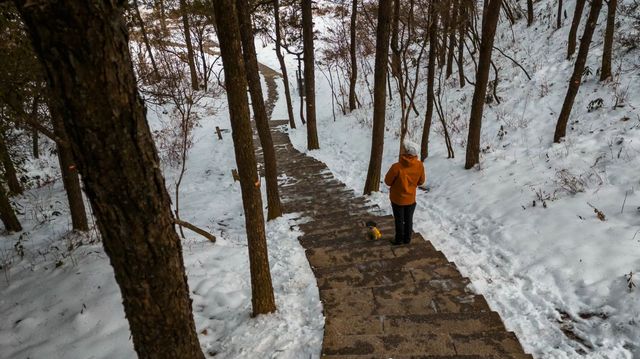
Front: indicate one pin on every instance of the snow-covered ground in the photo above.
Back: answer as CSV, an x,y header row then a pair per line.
x,y
61,303
555,272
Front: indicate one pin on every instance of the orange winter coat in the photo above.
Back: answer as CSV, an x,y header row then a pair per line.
x,y
403,178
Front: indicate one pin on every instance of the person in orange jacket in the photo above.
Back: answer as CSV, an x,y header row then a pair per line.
x,y
403,178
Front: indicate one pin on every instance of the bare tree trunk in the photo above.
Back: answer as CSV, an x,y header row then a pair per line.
x,y
309,75
114,149
145,38
187,39
283,65
577,15
235,78
461,31
10,173
35,136
529,12
576,77
559,19
69,171
7,214
489,24
372,183
605,70
431,74
259,111
452,36
396,69
352,52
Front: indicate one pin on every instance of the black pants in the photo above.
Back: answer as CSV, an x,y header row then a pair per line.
x,y
403,216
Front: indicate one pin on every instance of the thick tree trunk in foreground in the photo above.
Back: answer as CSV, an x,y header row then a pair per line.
x,y
10,173
84,50
7,214
577,15
259,111
353,75
309,75
70,177
283,65
431,75
576,77
379,97
187,39
489,24
605,70
235,78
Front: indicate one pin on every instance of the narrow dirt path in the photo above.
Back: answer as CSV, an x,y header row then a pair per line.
x,y
380,301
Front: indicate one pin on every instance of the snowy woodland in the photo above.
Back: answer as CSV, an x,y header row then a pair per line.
x,y
134,206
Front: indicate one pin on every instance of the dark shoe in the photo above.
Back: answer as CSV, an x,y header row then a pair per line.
x,y
407,241
396,243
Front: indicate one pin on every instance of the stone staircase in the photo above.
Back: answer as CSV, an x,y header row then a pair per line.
x,y
381,301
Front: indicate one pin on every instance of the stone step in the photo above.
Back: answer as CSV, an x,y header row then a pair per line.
x,y
497,344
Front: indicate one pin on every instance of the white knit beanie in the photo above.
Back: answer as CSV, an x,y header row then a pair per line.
x,y
411,148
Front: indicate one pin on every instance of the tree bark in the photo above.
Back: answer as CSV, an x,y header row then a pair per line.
x,y
372,183
283,65
69,171
10,173
605,70
352,53
187,39
431,75
577,16
576,77
259,111
84,50
236,83
309,75
529,12
7,214
489,24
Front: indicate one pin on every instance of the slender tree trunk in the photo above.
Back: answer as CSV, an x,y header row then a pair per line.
x,y
452,37
84,49
7,214
605,70
10,173
577,15
431,75
259,111
489,24
187,38
283,65
309,75
145,38
461,31
372,183
576,77
529,12
69,171
396,69
235,79
559,19
352,52
35,143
